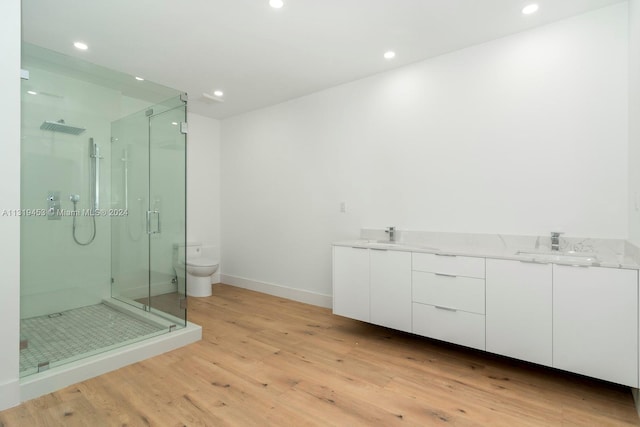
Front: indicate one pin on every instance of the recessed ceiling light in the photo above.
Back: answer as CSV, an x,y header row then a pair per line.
x,y
31,92
389,54
140,79
276,4
81,46
529,9
218,93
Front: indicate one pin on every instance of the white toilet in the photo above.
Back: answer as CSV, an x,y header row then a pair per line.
x,y
201,263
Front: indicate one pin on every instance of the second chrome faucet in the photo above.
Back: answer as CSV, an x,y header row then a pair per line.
x,y
555,240
392,233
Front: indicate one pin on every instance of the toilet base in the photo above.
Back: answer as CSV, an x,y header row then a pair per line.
x,y
199,286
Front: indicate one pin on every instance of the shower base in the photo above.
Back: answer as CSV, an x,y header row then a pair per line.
x,y
62,337
76,349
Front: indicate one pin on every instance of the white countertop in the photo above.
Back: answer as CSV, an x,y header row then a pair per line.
x,y
612,253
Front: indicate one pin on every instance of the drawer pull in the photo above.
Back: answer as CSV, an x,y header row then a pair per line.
x,y
445,275
358,247
532,261
444,308
451,255
378,249
573,265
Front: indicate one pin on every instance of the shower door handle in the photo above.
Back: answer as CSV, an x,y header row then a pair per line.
x,y
157,227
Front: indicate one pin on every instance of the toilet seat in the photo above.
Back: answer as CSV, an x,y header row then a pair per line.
x,y
201,262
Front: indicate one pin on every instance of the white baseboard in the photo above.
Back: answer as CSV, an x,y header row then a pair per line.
x,y
299,295
9,394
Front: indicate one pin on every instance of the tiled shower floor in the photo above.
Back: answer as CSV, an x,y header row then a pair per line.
x,y
79,332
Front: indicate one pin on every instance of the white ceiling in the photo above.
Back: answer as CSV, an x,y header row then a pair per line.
x,y
260,56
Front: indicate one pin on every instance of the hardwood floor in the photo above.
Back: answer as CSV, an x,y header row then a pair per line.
x,y
269,361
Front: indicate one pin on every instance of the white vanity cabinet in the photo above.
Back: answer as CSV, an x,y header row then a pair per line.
x,y
578,319
449,298
351,282
519,310
390,289
595,322
373,285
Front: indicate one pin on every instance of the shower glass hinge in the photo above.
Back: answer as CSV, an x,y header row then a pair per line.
x,y
184,129
184,97
183,303
24,343
172,328
113,280
24,74
43,366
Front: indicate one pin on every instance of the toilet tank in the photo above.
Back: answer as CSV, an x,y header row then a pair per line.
x,y
191,249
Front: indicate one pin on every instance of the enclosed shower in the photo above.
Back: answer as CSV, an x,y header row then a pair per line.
x,y
103,191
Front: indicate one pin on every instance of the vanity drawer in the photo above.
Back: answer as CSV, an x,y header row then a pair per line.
x,y
458,327
449,264
456,292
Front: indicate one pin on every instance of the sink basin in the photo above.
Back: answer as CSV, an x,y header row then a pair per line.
x,y
388,244
568,257
384,244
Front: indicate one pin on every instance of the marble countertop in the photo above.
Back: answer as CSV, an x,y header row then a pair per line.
x,y
612,253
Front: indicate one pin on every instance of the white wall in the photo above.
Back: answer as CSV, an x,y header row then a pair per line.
x,y
203,182
521,135
634,121
10,199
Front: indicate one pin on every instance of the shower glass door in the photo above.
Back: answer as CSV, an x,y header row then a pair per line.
x,y
167,209
148,186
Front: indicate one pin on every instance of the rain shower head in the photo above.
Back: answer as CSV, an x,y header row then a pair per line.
x,y
60,126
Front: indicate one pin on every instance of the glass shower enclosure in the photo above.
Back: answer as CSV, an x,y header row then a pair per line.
x,y
103,210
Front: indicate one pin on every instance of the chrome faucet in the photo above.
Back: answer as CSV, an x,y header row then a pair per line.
x,y
392,233
555,240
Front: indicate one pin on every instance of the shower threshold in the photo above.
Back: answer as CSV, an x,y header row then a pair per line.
x,y
81,343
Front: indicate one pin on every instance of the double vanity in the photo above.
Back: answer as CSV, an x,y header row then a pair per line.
x,y
574,308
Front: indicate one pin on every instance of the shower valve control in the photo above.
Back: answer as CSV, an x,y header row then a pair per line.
x,y
53,205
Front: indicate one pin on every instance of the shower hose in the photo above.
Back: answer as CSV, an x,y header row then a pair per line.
x,y
93,235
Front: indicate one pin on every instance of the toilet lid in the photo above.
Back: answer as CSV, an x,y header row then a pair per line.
x,y
201,262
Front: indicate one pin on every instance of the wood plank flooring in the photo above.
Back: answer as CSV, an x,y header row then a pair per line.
x,y
269,361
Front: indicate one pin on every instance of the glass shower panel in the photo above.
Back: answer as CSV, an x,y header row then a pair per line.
x,y
130,195
167,213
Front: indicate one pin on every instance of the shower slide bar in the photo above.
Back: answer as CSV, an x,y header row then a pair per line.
x,y
94,150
